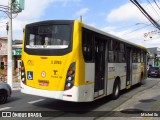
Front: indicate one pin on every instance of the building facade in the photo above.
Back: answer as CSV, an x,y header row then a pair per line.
x,y
3,53
16,58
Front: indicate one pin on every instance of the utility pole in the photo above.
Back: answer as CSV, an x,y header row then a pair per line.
x,y
9,61
81,18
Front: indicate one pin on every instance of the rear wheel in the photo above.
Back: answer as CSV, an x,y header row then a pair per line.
x,y
116,90
3,97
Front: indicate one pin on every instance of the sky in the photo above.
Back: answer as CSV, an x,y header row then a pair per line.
x,y
117,17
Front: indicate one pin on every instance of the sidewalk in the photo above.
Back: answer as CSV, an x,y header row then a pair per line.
x,y
16,86
16,83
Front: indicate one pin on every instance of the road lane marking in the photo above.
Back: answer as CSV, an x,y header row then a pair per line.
x,y
35,101
5,108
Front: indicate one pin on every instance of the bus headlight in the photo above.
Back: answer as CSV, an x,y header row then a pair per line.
x,y
70,77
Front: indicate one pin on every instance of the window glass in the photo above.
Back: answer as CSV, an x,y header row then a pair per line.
x,y
87,45
116,46
111,56
142,56
1,65
138,56
48,37
134,55
110,45
115,56
32,39
121,57
121,47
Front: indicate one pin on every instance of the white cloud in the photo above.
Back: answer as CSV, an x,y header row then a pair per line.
x,y
135,37
34,10
130,13
66,2
109,29
82,12
152,10
125,13
4,2
92,24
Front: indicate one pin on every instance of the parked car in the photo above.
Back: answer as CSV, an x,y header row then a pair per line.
x,y
154,71
5,92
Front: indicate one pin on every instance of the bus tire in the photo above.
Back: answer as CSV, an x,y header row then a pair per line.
x,y
116,90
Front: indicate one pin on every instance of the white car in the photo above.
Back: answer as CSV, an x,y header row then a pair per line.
x,y
5,92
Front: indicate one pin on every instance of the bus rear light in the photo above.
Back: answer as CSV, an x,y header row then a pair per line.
x,y
22,73
23,79
22,68
69,84
70,77
23,76
71,72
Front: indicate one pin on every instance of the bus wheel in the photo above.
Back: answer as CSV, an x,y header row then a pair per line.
x,y
116,90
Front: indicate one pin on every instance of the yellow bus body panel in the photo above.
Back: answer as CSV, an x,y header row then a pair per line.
x,y
49,72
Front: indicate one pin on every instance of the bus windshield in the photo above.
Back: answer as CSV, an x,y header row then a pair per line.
x,y
48,37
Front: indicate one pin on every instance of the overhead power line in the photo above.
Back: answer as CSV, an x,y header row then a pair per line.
x,y
135,30
156,3
5,10
146,14
153,8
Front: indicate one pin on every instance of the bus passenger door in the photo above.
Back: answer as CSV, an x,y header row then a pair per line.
x,y
99,67
128,67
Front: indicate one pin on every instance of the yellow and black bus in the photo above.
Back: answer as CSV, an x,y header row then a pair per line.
x,y
71,61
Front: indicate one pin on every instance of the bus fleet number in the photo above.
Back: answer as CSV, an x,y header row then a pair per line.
x,y
56,62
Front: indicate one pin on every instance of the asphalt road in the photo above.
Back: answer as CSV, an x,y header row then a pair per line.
x,y
56,109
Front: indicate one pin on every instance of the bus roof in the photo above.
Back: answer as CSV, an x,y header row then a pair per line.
x,y
112,36
90,28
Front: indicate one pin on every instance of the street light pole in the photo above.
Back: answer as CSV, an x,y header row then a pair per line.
x,y
9,61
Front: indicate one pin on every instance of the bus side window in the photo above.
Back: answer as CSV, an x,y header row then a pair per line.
x,y
111,56
142,56
111,53
87,45
121,55
138,56
134,54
